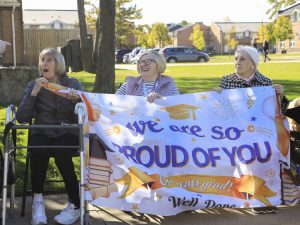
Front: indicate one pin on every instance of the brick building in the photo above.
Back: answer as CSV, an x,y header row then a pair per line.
x,y
215,34
11,30
181,36
244,32
293,13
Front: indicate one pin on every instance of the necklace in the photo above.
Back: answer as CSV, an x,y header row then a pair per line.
x,y
153,88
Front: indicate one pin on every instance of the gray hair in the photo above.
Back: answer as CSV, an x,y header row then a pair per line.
x,y
158,58
59,59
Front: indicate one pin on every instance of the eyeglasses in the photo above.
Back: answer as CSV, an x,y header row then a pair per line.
x,y
146,61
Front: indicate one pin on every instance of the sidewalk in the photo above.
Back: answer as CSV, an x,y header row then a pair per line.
x,y
55,203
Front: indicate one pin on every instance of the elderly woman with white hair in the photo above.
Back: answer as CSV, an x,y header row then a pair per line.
x,y
151,83
247,75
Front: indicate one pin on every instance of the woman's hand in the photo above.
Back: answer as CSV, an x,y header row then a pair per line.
x,y
73,96
39,83
217,89
152,96
279,89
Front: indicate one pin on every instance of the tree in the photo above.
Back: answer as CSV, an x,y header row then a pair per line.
x,y
262,31
105,48
276,5
197,37
266,32
92,14
124,21
183,23
283,29
159,35
230,40
270,33
86,45
142,35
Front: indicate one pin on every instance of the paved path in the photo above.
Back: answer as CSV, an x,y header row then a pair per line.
x,y
54,203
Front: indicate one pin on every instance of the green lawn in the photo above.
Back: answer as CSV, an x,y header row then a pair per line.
x,y
203,77
193,78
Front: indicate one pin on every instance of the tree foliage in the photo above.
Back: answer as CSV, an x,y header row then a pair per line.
x,y
125,15
92,14
230,40
197,37
276,5
159,35
262,32
271,33
283,29
124,21
184,22
266,32
142,35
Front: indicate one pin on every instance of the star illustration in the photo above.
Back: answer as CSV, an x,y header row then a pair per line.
x,y
203,97
134,207
253,118
193,139
119,159
112,112
270,173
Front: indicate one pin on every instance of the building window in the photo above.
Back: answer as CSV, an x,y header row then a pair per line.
x,y
294,16
282,44
247,34
239,35
56,26
292,43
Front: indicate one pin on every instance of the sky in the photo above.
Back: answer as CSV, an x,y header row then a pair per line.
x,y
168,11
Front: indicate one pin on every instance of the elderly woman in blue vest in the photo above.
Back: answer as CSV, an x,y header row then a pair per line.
x,y
151,83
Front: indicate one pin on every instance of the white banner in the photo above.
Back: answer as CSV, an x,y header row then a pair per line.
x,y
186,152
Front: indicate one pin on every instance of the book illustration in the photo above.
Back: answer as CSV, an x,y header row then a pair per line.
x,y
98,177
100,172
99,167
99,162
96,169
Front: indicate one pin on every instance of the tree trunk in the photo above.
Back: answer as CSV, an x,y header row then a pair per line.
x,y
105,53
86,41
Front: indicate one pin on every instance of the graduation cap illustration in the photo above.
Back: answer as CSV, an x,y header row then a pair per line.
x,y
181,111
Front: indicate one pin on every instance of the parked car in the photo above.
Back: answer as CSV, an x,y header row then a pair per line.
x,y
120,53
128,57
156,49
137,56
184,54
